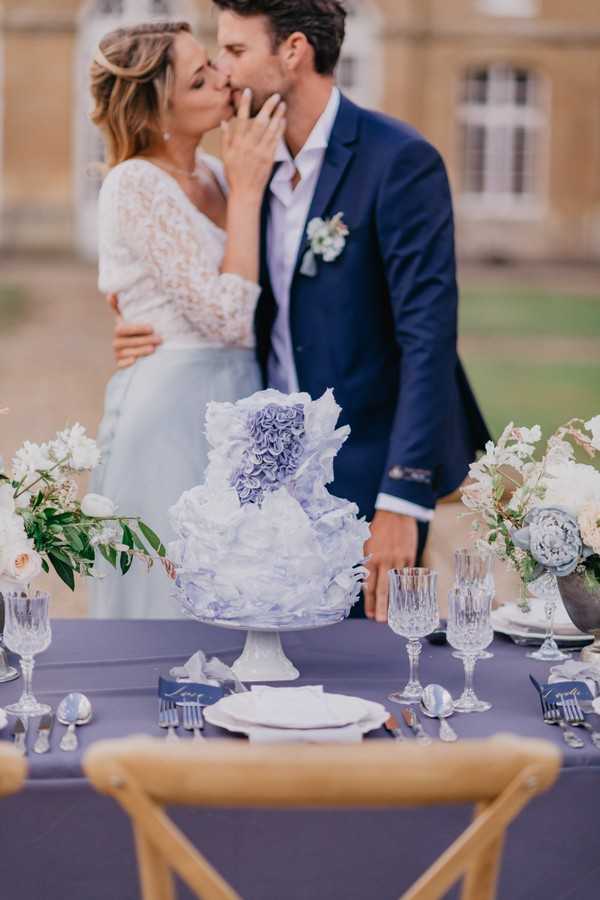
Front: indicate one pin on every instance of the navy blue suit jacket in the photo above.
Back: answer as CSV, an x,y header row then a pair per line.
x,y
379,324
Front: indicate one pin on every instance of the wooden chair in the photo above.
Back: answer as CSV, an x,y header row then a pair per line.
x,y
499,775
13,770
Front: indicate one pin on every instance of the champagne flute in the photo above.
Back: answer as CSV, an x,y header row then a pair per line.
x,y
475,566
27,632
412,613
470,631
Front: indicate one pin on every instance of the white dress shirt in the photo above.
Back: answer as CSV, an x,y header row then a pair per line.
x,y
288,214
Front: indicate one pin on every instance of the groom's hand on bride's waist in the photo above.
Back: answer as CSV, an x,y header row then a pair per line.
x,y
393,545
131,340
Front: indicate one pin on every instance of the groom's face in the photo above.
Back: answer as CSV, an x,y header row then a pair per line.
x,y
248,58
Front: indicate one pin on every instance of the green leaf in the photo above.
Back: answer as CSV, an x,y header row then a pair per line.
x,y
153,539
127,536
45,566
125,562
60,554
73,537
64,571
109,554
138,543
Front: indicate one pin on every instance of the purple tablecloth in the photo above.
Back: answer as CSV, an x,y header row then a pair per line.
x,y
61,841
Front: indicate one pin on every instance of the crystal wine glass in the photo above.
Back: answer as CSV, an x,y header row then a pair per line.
x,y
475,566
27,632
7,672
546,588
413,613
470,631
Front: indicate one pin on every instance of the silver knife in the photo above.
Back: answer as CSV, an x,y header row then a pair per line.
x,y
42,741
20,736
412,720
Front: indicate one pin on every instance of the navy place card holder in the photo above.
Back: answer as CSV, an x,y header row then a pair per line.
x,y
181,692
553,693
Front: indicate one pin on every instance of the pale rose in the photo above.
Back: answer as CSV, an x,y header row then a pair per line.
x,y
589,524
594,427
22,562
97,506
571,486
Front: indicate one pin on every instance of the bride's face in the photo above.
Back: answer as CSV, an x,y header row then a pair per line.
x,y
201,97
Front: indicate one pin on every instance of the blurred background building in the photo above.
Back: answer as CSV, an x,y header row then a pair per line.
x,y
506,89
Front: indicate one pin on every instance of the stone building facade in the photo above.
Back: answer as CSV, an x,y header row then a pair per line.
x,y
508,90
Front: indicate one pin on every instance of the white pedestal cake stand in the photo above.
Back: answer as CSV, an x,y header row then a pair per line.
x,y
263,657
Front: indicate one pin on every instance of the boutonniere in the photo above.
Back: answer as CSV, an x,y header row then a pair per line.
x,y
327,239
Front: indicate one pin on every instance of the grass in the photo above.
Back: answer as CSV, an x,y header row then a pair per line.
x,y
515,312
532,375
13,306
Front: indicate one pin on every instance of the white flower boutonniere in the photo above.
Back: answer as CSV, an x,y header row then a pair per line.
x,y
327,239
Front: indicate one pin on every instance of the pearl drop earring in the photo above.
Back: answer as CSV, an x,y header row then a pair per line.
x,y
166,136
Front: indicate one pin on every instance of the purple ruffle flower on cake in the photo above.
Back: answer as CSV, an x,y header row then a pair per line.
x,y
276,433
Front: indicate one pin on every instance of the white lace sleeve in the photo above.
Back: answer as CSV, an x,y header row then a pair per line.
x,y
183,256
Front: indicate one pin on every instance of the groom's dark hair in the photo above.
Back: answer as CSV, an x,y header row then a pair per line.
x,y
323,22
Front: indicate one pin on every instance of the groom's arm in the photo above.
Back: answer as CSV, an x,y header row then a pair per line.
x,y
415,230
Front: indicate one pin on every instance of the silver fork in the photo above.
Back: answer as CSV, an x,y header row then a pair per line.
x,y
168,718
553,716
192,720
574,715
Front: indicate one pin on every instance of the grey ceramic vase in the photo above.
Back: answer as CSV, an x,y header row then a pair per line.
x,y
582,602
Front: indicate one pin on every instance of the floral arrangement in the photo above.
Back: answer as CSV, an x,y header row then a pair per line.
x,y
43,524
551,522
262,539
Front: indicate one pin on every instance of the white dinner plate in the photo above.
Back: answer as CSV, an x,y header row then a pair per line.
x,y
334,711
536,618
502,625
375,718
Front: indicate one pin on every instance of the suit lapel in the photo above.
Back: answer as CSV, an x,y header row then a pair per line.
x,y
338,156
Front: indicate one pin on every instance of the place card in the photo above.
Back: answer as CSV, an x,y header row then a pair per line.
x,y
181,692
554,692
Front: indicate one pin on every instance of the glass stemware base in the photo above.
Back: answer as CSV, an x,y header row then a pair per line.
x,y
26,707
412,693
548,652
469,702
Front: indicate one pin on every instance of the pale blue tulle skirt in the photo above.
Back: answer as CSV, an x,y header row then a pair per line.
x,y
154,447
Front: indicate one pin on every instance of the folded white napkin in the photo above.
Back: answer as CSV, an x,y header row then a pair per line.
x,y
304,707
571,670
202,670
349,734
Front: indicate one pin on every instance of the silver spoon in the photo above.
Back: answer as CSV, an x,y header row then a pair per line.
x,y
437,703
74,709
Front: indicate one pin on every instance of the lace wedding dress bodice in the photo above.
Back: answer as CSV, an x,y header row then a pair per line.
x,y
161,255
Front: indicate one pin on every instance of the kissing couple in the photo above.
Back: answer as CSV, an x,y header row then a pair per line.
x,y
319,253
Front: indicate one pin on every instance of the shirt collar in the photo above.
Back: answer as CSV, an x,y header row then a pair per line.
x,y
319,137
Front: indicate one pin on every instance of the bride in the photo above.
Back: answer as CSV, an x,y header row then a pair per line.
x,y
179,245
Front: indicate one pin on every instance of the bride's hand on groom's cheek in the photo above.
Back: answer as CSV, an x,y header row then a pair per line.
x,y
249,144
131,340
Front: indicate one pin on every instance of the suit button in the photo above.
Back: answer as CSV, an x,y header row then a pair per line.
x,y
299,348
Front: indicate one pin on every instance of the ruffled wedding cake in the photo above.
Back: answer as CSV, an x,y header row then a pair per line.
x,y
262,541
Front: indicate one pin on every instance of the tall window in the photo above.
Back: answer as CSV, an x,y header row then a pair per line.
x,y
97,18
502,123
508,7
360,70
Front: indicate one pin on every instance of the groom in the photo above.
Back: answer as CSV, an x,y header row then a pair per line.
x,y
376,316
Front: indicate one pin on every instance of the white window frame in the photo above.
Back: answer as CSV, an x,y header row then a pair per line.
x,y
88,144
500,121
362,48
514,8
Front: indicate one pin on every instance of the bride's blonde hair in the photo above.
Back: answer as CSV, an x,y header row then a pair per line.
x,y
132,79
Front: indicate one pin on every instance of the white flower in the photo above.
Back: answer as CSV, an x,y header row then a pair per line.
x,y
7,500
80,452
529,435
97,506
571,486
109,533
29,460
19,560
327,237
589,523
594,426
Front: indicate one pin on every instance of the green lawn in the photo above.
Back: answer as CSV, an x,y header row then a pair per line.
x,y
545,367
